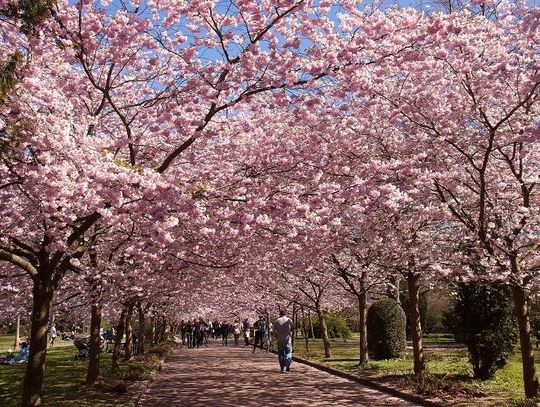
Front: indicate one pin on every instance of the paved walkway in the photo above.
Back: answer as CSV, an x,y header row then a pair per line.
x,y
229,376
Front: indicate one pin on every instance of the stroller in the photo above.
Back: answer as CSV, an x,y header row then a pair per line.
x,y
82,347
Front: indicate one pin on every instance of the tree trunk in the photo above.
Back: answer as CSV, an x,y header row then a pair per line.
x,y
362,316
310,322
17,332
397,284
92,373
33,379
128,345
304,329
530,380
141,333
324,334
118,340
393,289
152,329
295,320
157,330
162,330
413,282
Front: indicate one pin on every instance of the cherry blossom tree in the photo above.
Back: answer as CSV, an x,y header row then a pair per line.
x,y
469,99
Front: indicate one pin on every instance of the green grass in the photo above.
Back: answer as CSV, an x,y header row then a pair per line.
x,y
64,379
7,341
449,371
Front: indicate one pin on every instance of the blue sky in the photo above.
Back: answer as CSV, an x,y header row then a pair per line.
x,y
419,4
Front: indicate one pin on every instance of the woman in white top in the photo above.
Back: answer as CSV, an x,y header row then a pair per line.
x,y
236,331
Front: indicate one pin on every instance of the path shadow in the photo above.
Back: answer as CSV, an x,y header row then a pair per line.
x,y
216,376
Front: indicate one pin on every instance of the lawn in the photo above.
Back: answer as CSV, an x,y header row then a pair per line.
x,y
64,379
6,342
450,374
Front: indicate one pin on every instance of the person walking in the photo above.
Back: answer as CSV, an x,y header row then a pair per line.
x,y
183,332
225,328
217,330
283,328
260,329
268,335
236,331
246,328
189,334
200,328
52,334
194,333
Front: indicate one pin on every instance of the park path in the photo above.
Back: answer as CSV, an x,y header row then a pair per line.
x,y
233,376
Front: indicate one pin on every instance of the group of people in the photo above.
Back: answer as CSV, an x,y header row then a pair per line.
x,y
197,332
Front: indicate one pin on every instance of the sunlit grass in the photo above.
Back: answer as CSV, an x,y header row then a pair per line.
x,y
450,365
7,342
65,376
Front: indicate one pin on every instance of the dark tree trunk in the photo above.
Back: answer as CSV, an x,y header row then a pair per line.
x,y
92,373
128,345
153,329
162,330
157,330
310,322
294,319
41,309
141,333
324,334
393,288
17,332
413,282
530,380
118,339
304,329
362,316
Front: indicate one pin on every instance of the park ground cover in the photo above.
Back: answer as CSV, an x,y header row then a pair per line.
x,y
64,378
449,372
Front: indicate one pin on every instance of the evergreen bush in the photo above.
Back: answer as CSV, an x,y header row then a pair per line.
x,y
386,323
483,319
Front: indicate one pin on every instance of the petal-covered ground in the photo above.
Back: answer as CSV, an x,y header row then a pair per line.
x,y
234,376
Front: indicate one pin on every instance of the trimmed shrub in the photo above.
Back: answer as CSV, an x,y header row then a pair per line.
x,y
386,323
483,318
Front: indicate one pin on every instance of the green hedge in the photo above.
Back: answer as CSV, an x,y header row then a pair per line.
x,y
386,322
483,319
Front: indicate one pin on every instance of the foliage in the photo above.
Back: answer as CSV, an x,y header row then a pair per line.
x,y
483,319
161,349
386,329
337,326
30,13
8,73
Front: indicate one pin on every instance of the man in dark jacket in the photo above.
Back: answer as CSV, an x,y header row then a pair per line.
x,y
225,329
260,328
